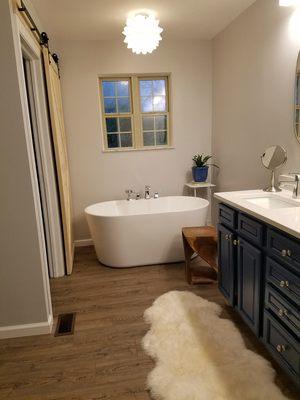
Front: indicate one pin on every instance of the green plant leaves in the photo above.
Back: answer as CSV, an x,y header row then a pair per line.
x,y
202,161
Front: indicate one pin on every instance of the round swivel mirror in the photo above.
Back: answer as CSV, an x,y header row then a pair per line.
x,y
297,100
272,158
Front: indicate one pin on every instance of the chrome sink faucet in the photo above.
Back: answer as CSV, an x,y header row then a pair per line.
x,y
296,190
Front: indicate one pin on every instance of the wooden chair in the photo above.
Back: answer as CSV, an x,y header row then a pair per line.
x,y
203,241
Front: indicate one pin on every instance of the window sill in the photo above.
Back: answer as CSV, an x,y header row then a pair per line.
x,y
125,150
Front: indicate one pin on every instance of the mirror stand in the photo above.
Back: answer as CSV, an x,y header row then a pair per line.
x,y
273,158
272,188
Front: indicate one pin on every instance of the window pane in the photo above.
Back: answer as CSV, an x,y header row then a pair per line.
x,y
122,88
160,123
148,138
123,105
111,125
148,123
112,140
161,138
159,103
126,140
108,88
125,124
118,99
159,87
110,106
147,105
146,88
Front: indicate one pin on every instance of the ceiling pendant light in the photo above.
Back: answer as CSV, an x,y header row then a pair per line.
x,y
142,33
289,3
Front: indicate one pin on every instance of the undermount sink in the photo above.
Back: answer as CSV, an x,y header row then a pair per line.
x,y
271,202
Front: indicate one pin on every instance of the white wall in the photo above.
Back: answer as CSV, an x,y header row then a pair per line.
x,y
23,291
253,86
98,176
253,70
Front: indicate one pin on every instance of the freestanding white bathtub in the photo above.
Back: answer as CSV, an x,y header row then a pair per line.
x,y
143,232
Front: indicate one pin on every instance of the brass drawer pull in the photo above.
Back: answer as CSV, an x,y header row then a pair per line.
x,y
286,253
284,284
236,242
281,312
283,253
281,348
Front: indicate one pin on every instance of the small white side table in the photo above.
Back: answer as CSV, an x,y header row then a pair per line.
x,y
200,185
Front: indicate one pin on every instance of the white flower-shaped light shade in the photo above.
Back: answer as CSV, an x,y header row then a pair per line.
x,y
289,3
142,33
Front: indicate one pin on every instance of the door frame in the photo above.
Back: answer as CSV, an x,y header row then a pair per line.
x,y
24,40
28,46
20,34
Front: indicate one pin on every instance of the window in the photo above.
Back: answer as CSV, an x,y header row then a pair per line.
x,y
135,112
117,107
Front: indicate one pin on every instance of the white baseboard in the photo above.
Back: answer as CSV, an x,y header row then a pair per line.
x,y
83,242
38,328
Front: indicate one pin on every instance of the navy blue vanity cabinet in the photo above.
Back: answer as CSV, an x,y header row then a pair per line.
x,y
283,346
226,274
259,274
227,216
240,264
249,277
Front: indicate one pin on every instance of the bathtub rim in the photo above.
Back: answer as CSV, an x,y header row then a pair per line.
x,y
205,204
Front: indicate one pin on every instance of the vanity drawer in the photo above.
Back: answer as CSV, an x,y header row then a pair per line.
x,y
288,314
282,345
227,216
250,229
285,281
286,249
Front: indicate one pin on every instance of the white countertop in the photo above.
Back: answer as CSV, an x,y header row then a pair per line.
x,y
285,219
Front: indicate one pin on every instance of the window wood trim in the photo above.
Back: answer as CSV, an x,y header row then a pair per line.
x,y
136,113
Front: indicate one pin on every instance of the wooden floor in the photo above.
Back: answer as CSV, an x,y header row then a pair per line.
x,y
104,359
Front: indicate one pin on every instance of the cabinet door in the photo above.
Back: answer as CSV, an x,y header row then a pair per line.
x,y
249,272
226,273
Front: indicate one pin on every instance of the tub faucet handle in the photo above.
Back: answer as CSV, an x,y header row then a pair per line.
x,y
129,193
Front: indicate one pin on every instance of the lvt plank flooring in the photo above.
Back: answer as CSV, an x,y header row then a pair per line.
x,y
103,360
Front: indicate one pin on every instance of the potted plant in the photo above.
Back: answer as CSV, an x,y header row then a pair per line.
x,y
200,169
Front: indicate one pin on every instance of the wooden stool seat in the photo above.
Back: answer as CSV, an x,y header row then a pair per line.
x,y
203,241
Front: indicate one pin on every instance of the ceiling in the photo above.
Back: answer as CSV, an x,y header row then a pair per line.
x,y
104,19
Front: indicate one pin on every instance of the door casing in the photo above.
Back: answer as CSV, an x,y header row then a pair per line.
x,y
32,52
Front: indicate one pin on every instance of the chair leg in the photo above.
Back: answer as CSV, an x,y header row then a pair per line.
x,y
188,252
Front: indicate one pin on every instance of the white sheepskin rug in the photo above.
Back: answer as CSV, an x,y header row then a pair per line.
x,y
200,356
